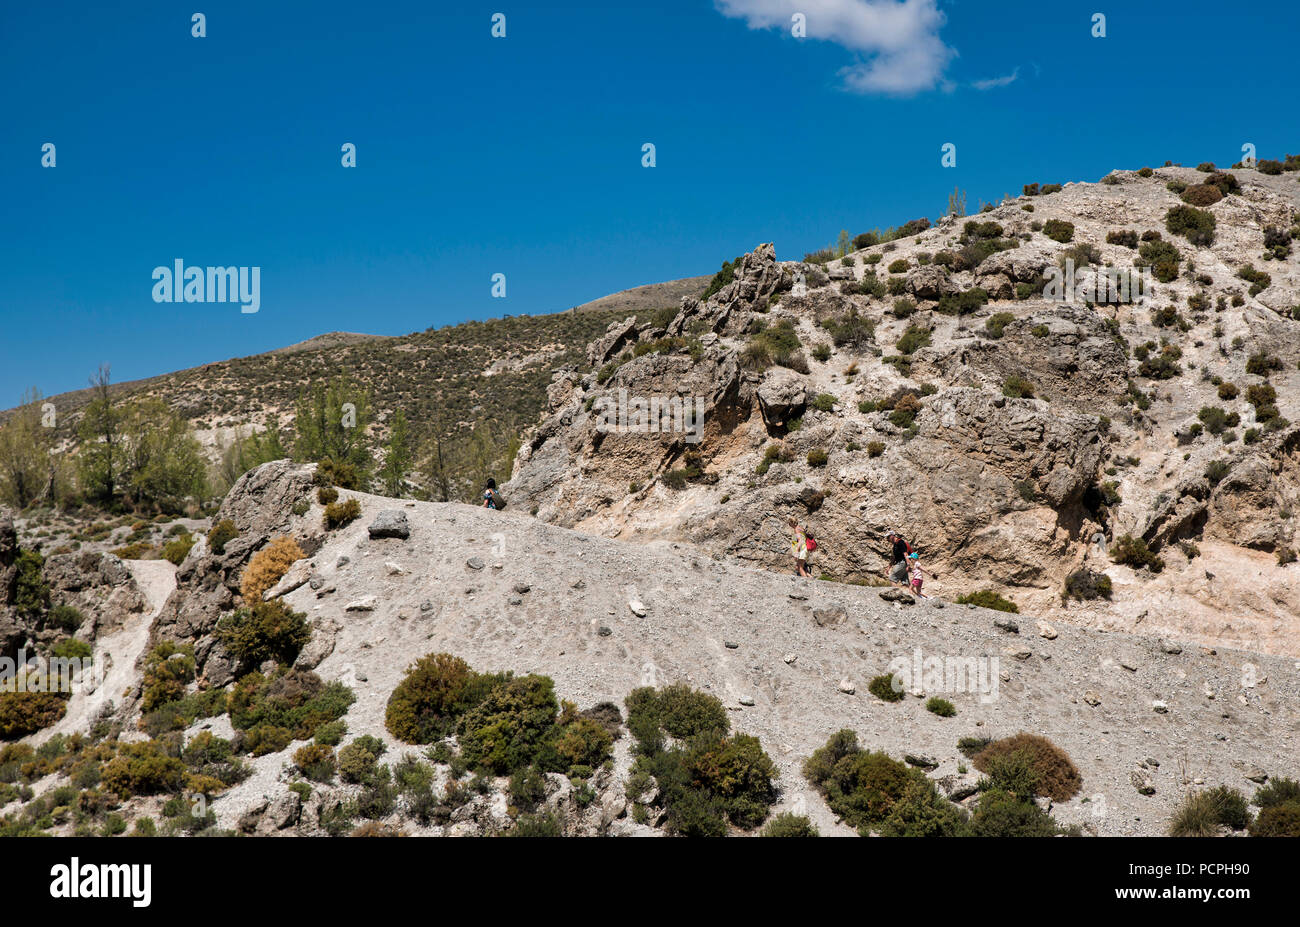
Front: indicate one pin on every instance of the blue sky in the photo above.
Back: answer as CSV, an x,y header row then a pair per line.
x,y
522,155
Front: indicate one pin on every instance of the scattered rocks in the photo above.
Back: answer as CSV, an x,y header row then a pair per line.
x,y
897,595
1006,624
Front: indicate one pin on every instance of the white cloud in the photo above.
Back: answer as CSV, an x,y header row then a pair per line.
x,y
992,82
898,40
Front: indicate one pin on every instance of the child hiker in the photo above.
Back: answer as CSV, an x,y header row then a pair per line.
x,y
916,573
799,547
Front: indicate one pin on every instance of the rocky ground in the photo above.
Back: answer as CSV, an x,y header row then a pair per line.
x,y
1145,718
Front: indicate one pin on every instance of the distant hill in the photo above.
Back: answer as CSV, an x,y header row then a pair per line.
x,y
649,297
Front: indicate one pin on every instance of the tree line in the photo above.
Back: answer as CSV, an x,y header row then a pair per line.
x,y
140,455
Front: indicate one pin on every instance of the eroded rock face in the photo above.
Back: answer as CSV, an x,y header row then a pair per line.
x,y
207,584
998,492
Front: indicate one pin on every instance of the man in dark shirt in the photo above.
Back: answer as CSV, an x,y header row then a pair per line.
x,y
898,558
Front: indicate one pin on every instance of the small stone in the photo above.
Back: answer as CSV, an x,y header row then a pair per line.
x,y
1006,624
1257,775
1018,653
316,582
578,584
1171,647
1046,630
638,608
1208,691
362,677
789,658
516,600
830,615
798,596
1160,707
390,523
426,606
605,630
394,569
731,645
1152,761
847,687
522,588
746,700
364,604
921,760
475,563
897,596
343,561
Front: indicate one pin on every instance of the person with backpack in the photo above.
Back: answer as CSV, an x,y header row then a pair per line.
x,y
800,544
898,566
491,498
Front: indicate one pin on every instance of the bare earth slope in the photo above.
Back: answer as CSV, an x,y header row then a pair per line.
x,y
505,591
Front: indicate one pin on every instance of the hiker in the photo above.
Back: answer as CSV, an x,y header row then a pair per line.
x,y
799,546
491,498
916,575
898,559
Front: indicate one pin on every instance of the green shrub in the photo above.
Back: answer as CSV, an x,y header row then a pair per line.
x,y
504,731
168,668
338,514
1015,387
964,303
327,495
789,825
866,788
884,688
1087,584
997,323
266,631
1201,814
1002,814
1278,791
23,713
1277,821
289,704
433,695
1135,553
71,649
824,402
988,598
875,448
1196,225
817,457
912,340
65,618
31,592
1261,364
1059,230
707,779
899,266
316,762
221,534
143,769
178,549
941,707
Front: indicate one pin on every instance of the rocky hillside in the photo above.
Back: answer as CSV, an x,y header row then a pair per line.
x,y
1144,719
1120,461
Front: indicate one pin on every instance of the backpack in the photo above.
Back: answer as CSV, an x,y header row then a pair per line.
x,y
498,500
809,542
